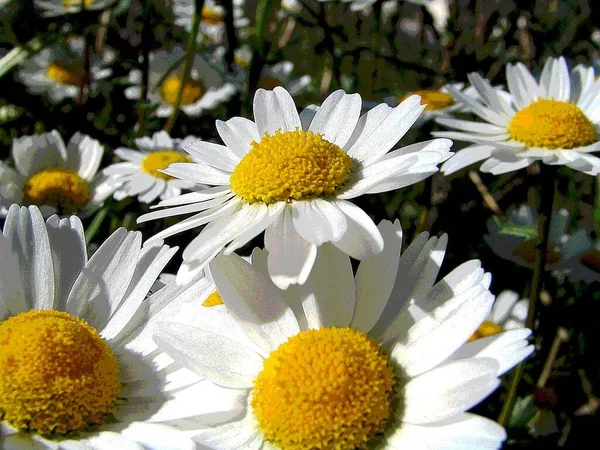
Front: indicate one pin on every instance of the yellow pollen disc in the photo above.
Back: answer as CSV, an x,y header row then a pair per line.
x,y
487,328
213,299
65,72
70,3
161,160
60,188
290,166
244,63
211,16
269,83
433,100
323,389
56,374
526,251
552,124
192,90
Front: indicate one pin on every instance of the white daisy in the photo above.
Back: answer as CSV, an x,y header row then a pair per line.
x,y
58,70
212,25
52,8
555,120
141,173
515,241
292,175
508,313
205,90
57,178
437,102
376,360
78,367
273,75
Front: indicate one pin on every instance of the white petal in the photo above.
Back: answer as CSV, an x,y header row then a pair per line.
x,y
26,232
337,117
198,173
215,155
318,221
12,295
108,440
290,256
158,437
362,238
35,153
232,436
254,301
449,390
503,305
328,296
84,155
238,133
217,358
275,110
375,278
467,156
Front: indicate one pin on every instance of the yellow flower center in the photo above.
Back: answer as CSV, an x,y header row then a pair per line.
x,y
192,90
211,16
60,188
70,3
487,328
552,124
526,251
243,62
213,299
289,166
161,160
56,374
330,388
433,100
65,72
269,83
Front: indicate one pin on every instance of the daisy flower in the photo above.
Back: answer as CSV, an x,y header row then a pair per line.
x,y
437,102
56,177
205,90
515,241
273,75
141,173
372,360
78,367
58,70
292,176
507,313
212,23
52,8
554,121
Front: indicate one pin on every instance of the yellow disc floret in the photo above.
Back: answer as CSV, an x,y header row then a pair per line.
x,y
324,389
192,90
433,100
289,166
72,3
552,124
211,16
65,72
156,161
61,188
487,328
56,374
213,299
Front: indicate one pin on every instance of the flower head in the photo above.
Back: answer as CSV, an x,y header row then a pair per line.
x,y
52,8
203,91
292,176
553,120
78,367
56,177
141,173
349,361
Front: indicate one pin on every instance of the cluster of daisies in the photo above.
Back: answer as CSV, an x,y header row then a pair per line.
x,y
295,346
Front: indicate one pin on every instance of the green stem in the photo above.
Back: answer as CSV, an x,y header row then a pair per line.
x,y
93,228
187,63
547,190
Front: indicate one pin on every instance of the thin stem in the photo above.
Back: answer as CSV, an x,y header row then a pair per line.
x,y
146,31
86,79
93,228
187,63
547,190
230,33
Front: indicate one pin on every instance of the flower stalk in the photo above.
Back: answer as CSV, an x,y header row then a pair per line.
x,y
187,62
547,191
